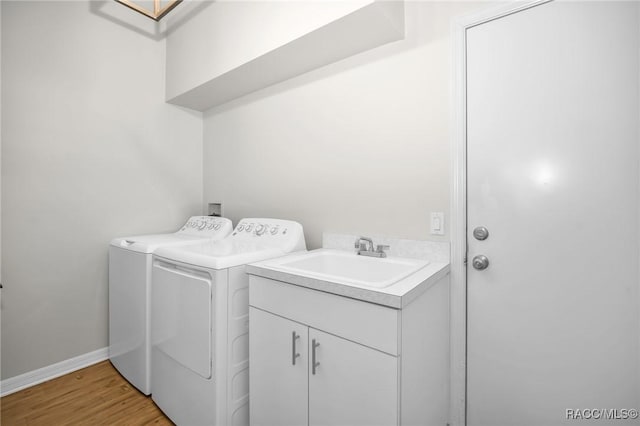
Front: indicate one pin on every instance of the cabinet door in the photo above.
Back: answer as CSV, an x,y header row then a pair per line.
x,y
351,384
278,370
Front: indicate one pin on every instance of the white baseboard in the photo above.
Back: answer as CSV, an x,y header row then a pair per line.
x,y
31,378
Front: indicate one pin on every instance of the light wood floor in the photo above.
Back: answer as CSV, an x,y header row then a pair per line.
x,y
96,395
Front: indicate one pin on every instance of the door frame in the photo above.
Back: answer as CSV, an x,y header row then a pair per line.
x,y
459,27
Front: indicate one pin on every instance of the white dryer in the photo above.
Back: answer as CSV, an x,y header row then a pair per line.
x,y
129,293
200,322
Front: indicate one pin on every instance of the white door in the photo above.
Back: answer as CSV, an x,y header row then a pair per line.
x,y
278,386
351,384
552,174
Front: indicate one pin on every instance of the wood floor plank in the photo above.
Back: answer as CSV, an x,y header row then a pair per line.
x,y
96,395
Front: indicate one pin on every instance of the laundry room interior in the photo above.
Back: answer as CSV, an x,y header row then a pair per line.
x,y
365,133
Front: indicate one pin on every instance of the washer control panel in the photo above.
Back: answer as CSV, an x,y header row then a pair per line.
x,y
206,225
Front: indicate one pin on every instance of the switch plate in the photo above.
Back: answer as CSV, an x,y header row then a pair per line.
x,y
437,223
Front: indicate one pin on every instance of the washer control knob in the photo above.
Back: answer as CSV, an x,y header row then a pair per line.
x,y
240,227
249,227
261,229
274,231
202,225
216,226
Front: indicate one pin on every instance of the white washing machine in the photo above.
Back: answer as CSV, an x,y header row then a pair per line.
x,y
129,293
200,322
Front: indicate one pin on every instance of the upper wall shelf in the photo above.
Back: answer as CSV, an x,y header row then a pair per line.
x,y
231,49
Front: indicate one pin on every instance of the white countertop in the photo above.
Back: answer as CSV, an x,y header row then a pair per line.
x,y
397,295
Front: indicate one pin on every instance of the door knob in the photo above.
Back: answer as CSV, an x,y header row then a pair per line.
x,y
481,233
480,262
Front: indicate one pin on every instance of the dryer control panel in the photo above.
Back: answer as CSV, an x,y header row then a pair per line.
x,y
206,225
277,232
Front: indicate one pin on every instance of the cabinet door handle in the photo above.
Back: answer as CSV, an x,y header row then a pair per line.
x,y
314,364
294,354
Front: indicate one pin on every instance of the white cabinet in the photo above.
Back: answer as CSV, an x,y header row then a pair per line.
x,y
231,48
352,384
322,359
278,380
349,383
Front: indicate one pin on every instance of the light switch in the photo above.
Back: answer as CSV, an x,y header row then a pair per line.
x,y
437,223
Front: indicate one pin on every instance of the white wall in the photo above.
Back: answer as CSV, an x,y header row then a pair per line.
x,y
0,186
90,151
359,146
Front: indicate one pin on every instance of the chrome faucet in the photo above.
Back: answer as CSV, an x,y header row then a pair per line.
x,y
364,245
